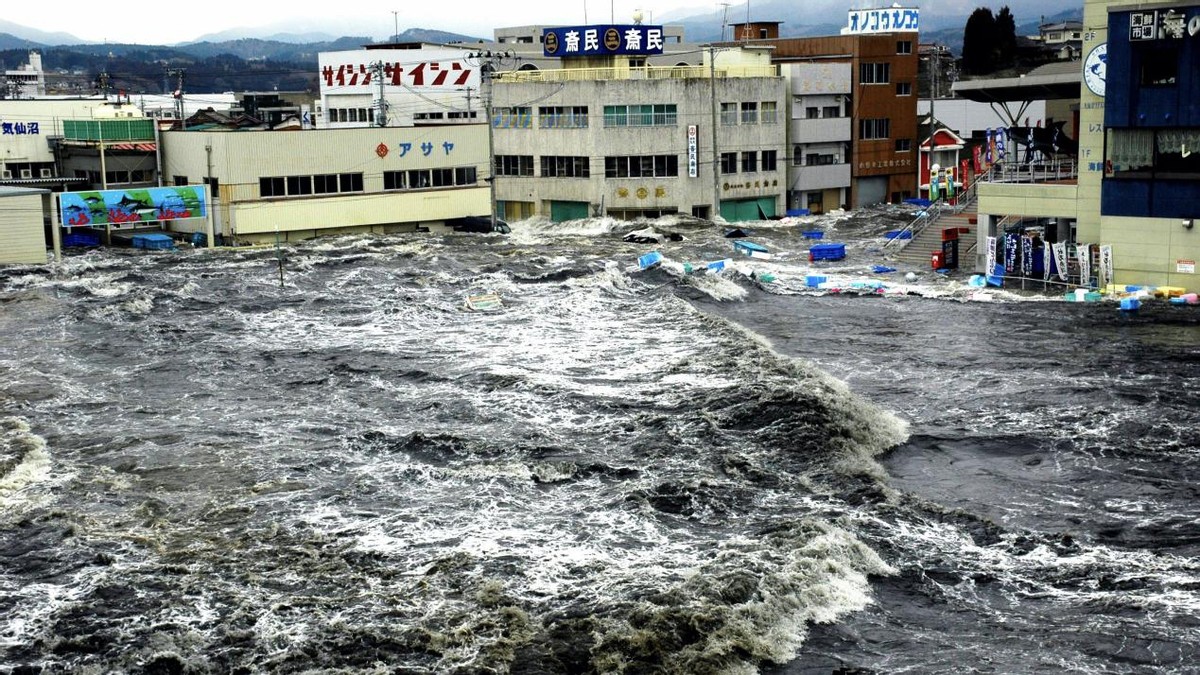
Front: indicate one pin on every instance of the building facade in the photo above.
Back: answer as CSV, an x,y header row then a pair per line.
x,y
1133,206
881,103
629,140
301,184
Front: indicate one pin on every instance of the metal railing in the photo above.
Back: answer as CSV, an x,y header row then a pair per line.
x,y
1035,172
635,73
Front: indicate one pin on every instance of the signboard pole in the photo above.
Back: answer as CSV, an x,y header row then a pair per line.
x,y
104,180
208,216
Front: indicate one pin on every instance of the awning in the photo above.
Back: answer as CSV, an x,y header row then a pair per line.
x,y
143,147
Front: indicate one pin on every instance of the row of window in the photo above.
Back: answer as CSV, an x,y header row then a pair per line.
x,y
633,115
750,161
117,177
629,166
416,179
351,115
749,112
290,186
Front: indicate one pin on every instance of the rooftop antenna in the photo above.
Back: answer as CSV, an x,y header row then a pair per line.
x,y
724,18
746,28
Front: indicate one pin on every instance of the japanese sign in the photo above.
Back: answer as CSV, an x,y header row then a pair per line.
x,y
1162,24
20,129
602,40
693,160
115,207
357,72
892,20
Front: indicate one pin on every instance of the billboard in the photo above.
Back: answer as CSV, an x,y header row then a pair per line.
x,y
602,40
357,72
891,20
118,207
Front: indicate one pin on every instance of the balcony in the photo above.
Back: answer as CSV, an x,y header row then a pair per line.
x,y
820,177
824,130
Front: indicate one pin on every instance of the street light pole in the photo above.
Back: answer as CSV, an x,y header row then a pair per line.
x,y
488,61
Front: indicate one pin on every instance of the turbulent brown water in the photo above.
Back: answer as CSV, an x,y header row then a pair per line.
x,y
619,470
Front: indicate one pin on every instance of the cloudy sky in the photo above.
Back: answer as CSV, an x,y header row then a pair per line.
x,y
145,22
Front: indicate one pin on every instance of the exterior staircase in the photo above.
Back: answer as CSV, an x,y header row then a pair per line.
x,y
927,236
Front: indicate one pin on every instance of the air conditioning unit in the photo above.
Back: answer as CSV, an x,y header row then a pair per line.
x,y
26,173
5,175
47,173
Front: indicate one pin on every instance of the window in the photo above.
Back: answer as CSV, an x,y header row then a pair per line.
x,y
728,162
770,112
270,187
749,112
299,185
641,166
180,180
419,178
831,111
465,176
442,177
904,88
728,114
874,73
904,46
325,183
770,160
749,161
1160,68
874,128
645,115
394,180
1160,153
514,165
812,112
903,144
565,166
516,117
814,159
351,182
563,117
797,155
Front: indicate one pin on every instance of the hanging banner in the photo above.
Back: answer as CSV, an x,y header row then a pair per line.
x,y
1027,256
1010,252
1084,253
990,264
115,207
1106,266
1060,259
949,174
1001,144
991,148
1047,261
975,155
963,176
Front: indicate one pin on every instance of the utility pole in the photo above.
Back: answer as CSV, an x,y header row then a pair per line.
x,y
377,70
488,61
716,164
178,93
395,26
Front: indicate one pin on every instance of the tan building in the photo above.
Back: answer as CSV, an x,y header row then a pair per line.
x,y
301,184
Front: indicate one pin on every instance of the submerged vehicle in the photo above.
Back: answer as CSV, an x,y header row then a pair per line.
x,y
482,224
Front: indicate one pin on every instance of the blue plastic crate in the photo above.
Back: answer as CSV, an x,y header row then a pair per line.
x,y
813,234
898,234
651,259
82,239
157,242
827,252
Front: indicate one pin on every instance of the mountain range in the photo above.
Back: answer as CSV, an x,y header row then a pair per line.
x,y
291,47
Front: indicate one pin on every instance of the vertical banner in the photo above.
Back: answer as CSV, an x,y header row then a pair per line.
x,y
991,148
990,264
1060,259
1047,261
963,167
948,172
1084,253
975,155
1001,144
1106,266
1010,252
1027,256
934,178
692,146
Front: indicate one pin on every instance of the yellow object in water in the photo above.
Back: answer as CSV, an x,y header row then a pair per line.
x,y
1169,291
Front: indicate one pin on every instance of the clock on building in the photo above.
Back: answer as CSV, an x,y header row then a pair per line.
x,y
1094,68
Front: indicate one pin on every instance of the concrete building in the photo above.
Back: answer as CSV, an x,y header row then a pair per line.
x,y
878,101
301,184
26,81
1129,217
608,134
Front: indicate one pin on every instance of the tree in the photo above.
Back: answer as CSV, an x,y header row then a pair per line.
x,y
1006,38
979,42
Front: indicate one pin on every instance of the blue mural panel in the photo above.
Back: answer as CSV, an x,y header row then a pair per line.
x,y
116,207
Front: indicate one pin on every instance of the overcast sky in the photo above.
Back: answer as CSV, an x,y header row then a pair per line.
x,y
145,22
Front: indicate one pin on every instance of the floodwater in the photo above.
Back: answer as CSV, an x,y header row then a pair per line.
x,y
618,470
